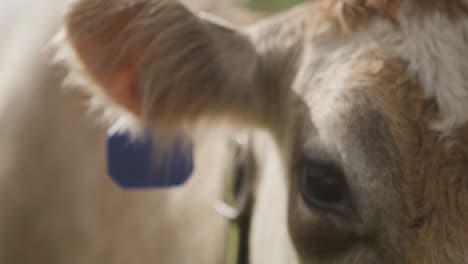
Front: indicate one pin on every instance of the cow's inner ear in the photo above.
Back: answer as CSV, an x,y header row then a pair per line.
x,y
161,62
97,38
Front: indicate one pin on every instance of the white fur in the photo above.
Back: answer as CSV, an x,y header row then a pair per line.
x,y
20,45
121,119
58,204
436,48
324,98
270,241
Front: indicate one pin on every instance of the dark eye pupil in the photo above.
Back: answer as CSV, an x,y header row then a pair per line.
x,y
321,185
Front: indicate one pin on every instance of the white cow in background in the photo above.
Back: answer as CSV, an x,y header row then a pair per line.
x,y
57,203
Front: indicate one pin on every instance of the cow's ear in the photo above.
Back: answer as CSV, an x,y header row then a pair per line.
x,y
160,61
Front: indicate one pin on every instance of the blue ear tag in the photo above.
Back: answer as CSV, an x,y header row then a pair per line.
x,y
137,164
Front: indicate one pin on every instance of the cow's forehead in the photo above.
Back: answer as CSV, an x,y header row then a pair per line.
x,y
331,39
352,90
334,81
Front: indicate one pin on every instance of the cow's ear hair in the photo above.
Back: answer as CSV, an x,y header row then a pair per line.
x,y
160,61
351,14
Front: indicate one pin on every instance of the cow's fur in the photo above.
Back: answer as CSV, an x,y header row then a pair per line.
x,y
58,204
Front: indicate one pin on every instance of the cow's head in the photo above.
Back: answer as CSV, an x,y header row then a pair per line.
x,y
365,101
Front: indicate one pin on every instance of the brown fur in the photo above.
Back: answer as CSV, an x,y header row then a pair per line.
x,y
434,187
434,181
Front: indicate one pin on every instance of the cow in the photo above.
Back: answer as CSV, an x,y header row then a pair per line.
x,y
58,204
357,112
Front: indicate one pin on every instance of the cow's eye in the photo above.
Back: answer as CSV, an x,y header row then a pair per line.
x,y
321,184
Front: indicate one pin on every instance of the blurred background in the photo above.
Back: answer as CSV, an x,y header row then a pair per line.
x,y
271,5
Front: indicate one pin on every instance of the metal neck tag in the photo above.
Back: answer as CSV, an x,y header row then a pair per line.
x,y
137,164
